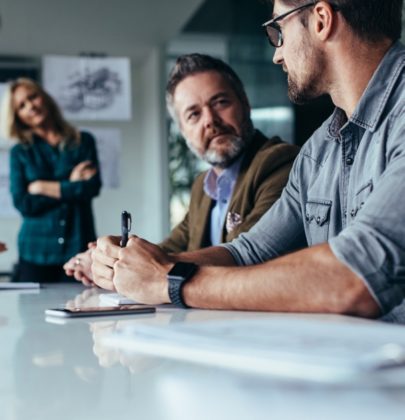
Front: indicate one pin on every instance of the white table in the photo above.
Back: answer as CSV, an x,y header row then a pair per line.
x,y
57,372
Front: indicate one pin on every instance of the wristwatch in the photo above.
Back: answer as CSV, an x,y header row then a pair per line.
x,y
177,278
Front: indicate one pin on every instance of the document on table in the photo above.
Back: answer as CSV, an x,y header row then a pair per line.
x,y
306,349
18,285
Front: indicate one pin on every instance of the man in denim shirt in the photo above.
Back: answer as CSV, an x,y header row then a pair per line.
x,y
335,241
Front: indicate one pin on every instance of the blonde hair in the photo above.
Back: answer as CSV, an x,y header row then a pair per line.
x,y
13,128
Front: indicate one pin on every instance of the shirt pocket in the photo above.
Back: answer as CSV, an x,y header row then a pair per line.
x,y
360,198
317,217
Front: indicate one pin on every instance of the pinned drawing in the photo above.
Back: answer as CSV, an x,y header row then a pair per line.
x,y
88,88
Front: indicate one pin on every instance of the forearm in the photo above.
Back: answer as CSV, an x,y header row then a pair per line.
x,y
80,190
215,255
50,189
312,280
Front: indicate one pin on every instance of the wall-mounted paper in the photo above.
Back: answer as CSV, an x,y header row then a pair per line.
x,y
88,88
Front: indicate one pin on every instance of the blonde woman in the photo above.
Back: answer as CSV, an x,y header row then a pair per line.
x,y
54,176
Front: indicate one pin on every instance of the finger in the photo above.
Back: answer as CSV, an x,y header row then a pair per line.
x,y
88,173
108,245
84,278
82,165
69,265
100,258
87,282
102,276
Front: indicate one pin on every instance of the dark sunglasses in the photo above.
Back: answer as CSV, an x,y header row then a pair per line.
x,y
273,29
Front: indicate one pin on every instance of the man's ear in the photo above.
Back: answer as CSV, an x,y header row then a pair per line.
x,y
324,20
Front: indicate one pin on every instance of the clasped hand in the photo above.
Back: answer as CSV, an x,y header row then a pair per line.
x,y
137,271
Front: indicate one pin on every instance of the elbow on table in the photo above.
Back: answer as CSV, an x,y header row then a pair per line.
x,y
357,300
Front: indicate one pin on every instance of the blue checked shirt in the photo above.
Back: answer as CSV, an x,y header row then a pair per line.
x,y
53,230
347,188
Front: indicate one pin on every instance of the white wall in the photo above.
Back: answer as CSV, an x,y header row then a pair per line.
x,y
144,183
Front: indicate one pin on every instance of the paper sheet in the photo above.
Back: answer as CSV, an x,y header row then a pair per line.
x,y
287,347
89,88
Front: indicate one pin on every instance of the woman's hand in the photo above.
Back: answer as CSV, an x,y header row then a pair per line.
x,y
48,188
83,171
79,267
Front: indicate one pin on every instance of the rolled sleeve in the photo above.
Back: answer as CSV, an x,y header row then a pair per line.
x,y
80,189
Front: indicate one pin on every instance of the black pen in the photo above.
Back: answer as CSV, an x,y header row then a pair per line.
x,y
125,227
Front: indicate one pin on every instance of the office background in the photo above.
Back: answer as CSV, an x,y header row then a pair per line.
x,y
151,33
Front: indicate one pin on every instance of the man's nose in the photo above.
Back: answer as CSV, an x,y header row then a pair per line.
x,y
211,118
278,56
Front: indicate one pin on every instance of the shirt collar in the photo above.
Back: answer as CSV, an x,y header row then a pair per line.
x,y
226,179
372,103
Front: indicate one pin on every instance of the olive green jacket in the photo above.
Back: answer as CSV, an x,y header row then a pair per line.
x,y
263,174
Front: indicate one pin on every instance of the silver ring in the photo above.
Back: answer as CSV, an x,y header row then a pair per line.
x,y
77,261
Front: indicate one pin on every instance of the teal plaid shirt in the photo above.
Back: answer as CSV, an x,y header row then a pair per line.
x,y
53,230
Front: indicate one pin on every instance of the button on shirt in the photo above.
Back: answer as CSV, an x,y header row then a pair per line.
x,y
220,188
347,188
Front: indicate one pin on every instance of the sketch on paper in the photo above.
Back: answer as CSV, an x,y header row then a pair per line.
x,y
92,90
88,88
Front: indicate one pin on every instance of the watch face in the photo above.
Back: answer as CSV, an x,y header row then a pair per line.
x,y
182,270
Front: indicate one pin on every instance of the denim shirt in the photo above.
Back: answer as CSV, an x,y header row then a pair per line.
x,y
220,189
347,188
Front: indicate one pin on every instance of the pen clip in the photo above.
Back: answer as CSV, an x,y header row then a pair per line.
x,y
126,224
129,222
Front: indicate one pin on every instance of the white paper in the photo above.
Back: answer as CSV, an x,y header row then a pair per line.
x,y
108,142
284,347
88,88
115,299
18,285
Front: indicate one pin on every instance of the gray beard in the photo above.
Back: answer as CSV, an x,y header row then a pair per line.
x,y
224,160
236,148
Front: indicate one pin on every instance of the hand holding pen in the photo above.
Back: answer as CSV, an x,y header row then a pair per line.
x,y
126,223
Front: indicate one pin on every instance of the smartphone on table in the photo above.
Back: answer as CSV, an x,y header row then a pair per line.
x,y
100,311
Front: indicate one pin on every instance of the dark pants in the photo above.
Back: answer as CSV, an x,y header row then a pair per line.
x,y
30,272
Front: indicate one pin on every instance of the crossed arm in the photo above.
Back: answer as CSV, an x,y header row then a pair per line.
x,y
83,171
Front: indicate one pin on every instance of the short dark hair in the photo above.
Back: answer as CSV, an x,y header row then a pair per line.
x,y
190,64
369,19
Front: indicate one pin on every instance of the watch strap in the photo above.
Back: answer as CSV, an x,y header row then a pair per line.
x,y
177,277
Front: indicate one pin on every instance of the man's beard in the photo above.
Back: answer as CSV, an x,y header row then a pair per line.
x,y
223,157
309,88
302,94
